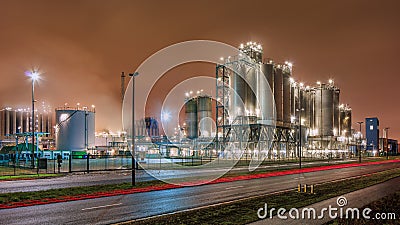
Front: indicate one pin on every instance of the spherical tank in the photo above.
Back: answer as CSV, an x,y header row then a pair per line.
x,y
75,129
191,118
204,115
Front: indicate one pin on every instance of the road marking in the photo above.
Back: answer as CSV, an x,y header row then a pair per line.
x,y
233,187
102,206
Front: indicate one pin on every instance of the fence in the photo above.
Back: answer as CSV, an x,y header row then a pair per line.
x,y
90,163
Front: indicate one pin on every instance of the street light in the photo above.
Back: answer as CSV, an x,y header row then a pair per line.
x,y
133,75
359,152
299,111
34,76
387,142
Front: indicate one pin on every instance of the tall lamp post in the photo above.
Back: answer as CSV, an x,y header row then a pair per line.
x,y
387,142
359,140
133,75
34,75
299,110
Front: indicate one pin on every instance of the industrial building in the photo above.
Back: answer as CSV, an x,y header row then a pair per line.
x,y
372,133
17,123
13,121
262,112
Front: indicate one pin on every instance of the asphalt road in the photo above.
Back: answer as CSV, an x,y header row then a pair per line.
x,y
127,207
116,177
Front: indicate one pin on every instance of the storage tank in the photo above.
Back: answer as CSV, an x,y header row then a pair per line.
x,y
191,118
238,97
324,110
204,115
278,92
336,93
251,90
345,120
266,103
75,129
286,74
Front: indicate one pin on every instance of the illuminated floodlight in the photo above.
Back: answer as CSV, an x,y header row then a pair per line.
x,y
165,116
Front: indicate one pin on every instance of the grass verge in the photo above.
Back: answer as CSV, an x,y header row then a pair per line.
x,y
29,176
7,198
54,193
245,211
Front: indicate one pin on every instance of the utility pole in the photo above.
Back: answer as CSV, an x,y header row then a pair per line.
x,y
359,140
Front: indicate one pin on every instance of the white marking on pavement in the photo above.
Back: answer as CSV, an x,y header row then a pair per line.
x,y
102,206
233,187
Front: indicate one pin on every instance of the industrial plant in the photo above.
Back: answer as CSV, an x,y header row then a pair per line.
x,y
259,111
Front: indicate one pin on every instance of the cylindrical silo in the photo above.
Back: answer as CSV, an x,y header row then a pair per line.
x,y
75,129
204,115
336,93
237,95
251,90
20,121
312,108
286,94
2,123
324,110
268,71
278,92
265,86
191,118
345,120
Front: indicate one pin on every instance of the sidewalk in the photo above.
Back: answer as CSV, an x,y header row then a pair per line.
x,y
356,199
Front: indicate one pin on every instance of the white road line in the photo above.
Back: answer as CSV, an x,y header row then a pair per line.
x,y
102,206
233,187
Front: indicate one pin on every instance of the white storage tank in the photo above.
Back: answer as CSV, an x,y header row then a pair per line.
x,y
75,128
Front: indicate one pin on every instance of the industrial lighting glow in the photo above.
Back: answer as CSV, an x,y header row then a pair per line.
x,y
34,75
330,81
291,80
301,84
318,82
165,116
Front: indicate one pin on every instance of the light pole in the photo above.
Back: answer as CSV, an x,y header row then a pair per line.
x,y
34,75
133,75
387,142
299,110
359,140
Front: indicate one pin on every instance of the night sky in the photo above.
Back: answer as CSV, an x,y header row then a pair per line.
x,y
82,47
